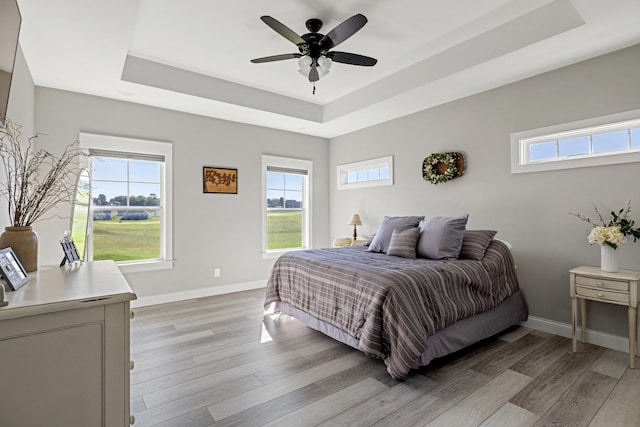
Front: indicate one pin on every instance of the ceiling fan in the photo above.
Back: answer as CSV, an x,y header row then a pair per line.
x,y
315,56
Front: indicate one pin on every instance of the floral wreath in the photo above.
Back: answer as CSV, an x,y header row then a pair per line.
x,y
439,167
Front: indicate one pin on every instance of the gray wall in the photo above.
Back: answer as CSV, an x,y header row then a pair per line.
x,y
529,210
20,110
210,230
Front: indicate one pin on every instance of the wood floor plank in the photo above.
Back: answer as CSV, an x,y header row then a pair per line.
x,y
244,401
329,406
482,403
612,363
543,356
275,408
154,359
514,333
553,382
284,368
254,350
384,403
512,416
194,401
615,413
183,384
627,390
196,418
157,385
180,339
581,401
433,403
167,368
500,362
369,368
449,367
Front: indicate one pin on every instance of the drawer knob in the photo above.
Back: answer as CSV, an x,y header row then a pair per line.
x,y
600,294
132,420
598,283
131,314
131,365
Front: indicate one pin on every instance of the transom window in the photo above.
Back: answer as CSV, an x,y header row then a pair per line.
x,y
366,173
580,144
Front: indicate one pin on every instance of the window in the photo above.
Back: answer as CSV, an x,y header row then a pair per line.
x,y
367,173
605,140
130,215
286,204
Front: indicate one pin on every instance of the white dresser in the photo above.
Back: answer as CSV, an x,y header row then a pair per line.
x,y
64,348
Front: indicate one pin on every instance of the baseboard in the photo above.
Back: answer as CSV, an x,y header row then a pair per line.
x,y
602,339
197,293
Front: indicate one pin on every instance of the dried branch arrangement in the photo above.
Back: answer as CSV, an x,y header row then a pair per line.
x,y
36,180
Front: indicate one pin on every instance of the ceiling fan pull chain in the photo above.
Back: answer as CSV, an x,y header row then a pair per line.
x,y
314,89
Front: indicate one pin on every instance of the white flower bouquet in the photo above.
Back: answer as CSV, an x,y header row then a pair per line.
x,y
603,235
613,232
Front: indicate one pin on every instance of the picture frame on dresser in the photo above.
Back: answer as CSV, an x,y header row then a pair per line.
x,y
70,252
12,271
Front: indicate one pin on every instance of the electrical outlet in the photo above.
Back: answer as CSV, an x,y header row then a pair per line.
x,y
216,272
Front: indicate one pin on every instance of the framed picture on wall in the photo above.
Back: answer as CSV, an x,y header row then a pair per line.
x,y
12,271
219,180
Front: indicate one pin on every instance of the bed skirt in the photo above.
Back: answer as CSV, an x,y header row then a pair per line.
x,y
455,337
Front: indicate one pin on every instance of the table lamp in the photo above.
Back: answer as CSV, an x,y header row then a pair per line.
x,y
355,221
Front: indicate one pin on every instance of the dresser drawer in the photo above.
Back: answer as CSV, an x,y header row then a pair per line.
x,y
602,283
602,295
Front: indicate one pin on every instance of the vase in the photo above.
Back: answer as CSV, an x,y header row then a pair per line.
x,y
24,242
608,259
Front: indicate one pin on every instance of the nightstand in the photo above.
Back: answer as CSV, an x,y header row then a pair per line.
x,y
591,283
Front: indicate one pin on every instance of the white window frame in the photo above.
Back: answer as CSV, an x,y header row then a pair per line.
x,y
138,146
520,142
380,162
288,163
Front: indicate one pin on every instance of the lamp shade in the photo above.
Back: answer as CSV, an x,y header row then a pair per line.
x,y
355,220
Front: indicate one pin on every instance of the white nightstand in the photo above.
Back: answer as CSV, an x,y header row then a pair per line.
x,y
591,283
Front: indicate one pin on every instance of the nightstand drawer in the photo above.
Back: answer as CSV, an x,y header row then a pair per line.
x,y
602,283
602,295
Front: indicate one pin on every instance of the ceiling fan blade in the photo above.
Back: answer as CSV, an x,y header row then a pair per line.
x,y
343,31
276,58
352,58
283,30
313,73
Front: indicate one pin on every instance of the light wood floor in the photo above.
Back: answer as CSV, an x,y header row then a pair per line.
x,y
220,361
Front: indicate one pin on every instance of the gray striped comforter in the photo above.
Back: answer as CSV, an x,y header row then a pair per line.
x,y
391,305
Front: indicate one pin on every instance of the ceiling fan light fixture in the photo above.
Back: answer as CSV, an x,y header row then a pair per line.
x,y
323,66
305,62
325,63
305,72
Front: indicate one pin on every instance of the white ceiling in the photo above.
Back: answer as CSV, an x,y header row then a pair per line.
x,y
193,55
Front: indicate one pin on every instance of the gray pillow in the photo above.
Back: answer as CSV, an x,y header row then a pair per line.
x,y
403,243
475,243
382,238
441,237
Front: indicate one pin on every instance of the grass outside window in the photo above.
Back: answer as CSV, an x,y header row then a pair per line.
x,y
126,240
284,229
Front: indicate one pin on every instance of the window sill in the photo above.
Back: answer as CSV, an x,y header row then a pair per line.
x,y
276,254
136,267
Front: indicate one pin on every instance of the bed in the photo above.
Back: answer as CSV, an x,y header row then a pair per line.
x,y
404,311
